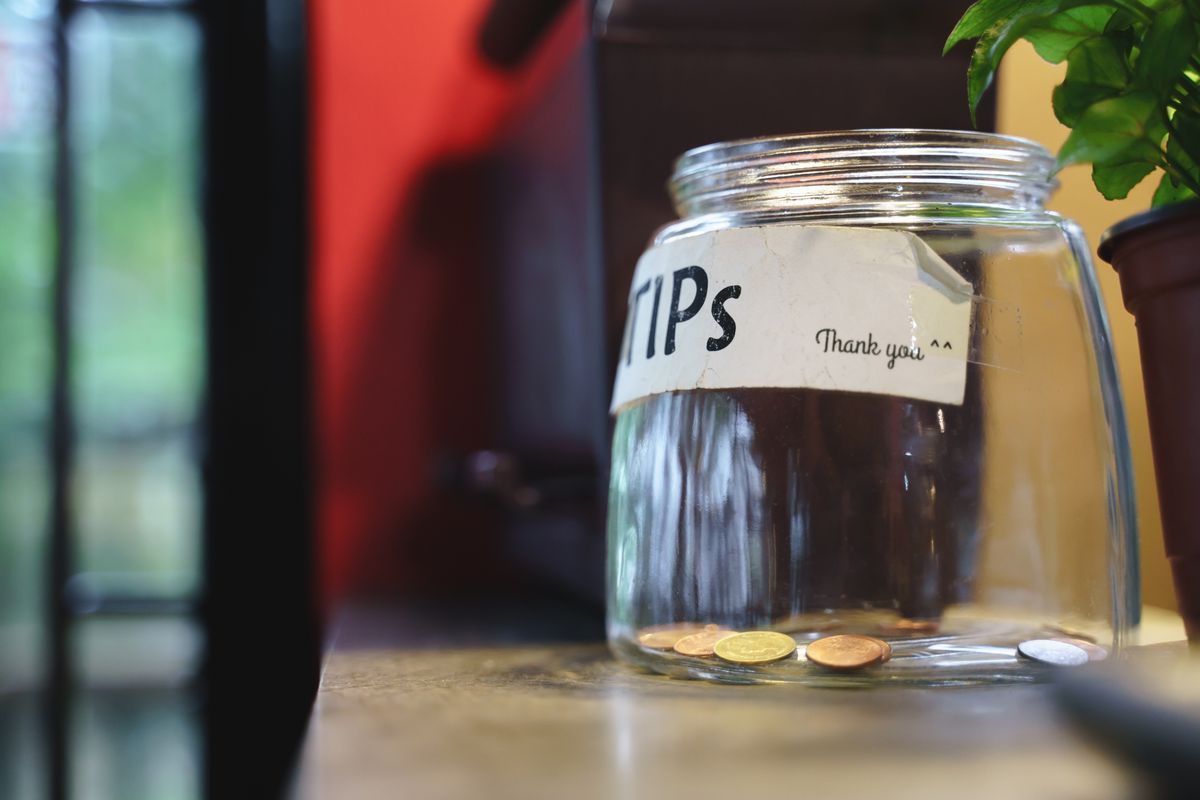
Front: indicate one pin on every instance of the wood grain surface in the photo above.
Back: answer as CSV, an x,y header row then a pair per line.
x,y
569,722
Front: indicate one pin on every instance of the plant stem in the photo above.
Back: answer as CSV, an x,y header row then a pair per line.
x,y
1178,173
1180,141
1183,102
1142,12
1185,91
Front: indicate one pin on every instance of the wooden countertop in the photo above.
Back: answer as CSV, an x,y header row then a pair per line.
x,y
566,721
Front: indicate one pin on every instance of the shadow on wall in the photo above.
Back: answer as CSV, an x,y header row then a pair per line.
x,y
422,391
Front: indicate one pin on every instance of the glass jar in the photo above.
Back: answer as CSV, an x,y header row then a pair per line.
x,y
903,423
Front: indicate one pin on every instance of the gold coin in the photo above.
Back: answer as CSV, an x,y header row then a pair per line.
x,y
755,647
847,651
662,637
702,643
1094,651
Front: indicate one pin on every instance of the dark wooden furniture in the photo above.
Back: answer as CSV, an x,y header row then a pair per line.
x,y
579,185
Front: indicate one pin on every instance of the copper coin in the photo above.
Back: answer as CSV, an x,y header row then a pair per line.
x,y
910,627
1094,651
664,638
847,651
755,647
1053,652
917,625
1071,633
807,623
703,642
671,626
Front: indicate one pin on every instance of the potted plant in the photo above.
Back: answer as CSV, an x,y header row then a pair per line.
x,y
1131,98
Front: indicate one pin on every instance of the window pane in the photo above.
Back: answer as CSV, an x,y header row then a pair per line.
x,y
138,313
151,3
135,730
136,746
26,267
17,11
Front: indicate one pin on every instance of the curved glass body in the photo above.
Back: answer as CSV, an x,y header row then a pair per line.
x,y
952,532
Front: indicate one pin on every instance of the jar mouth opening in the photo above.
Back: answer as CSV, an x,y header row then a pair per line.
x,y
898,163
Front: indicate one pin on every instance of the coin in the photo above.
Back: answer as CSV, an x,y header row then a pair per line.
x,y
807,623
909,627
1053,652
917,625
672,626
887,651
702,643
661,637
1094,651
1071,633
755,647
847,651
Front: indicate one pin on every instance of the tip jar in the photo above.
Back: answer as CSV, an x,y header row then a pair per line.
x,y
866,410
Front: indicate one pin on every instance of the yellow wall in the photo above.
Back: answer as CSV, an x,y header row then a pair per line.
x,y
1025,84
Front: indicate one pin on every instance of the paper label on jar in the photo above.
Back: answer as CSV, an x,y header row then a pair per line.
x,y
796,306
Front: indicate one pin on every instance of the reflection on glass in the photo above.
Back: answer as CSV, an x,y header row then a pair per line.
x,y
138,326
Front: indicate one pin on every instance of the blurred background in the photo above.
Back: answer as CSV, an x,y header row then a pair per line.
x,y
309,304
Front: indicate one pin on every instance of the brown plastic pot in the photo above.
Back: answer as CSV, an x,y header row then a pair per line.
x,y
1157,257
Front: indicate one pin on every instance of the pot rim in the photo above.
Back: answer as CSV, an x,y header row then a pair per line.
x,y
1109,239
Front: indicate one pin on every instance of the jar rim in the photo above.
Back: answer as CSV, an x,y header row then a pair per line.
x,y
856,137
999,170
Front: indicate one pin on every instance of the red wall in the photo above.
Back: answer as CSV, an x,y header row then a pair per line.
x,y
395,85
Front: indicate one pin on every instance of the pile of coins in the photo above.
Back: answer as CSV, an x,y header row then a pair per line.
x,y
840,652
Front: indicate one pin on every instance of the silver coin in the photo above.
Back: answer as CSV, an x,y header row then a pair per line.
x,y
1048,651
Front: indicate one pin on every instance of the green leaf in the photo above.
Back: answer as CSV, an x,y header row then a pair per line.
x,y
1117,176
990,49
1095,71
982,68
1169,192
1164,54
1121,136
1110,128
1055,35
981,16
1055,23
1120,22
